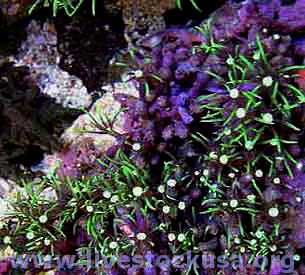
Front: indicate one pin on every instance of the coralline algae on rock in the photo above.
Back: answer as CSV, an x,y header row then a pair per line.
x,y
106,106
84,135
237,17
287,18
40,54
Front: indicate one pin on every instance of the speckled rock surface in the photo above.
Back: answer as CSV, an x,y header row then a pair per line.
x,y
142,14
8,191
39,53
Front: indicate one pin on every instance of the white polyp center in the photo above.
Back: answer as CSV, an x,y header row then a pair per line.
x,y
231,175
43,219
114,198
299,166
227,132
241,112
166,209
171,182
267,81
138,73
233,203
141,236
276,180
106,194
230,61
213,155
181,237
259,173
268,118
30,235
181,205
136,146
276,36
171,237
113,245
273,212
224,159
137,191
234,93
161,189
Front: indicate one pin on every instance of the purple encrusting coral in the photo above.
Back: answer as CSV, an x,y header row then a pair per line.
x,y
212,157
169,110
166,107
78,160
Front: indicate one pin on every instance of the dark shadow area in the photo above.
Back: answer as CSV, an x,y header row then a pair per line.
x,y
87,43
